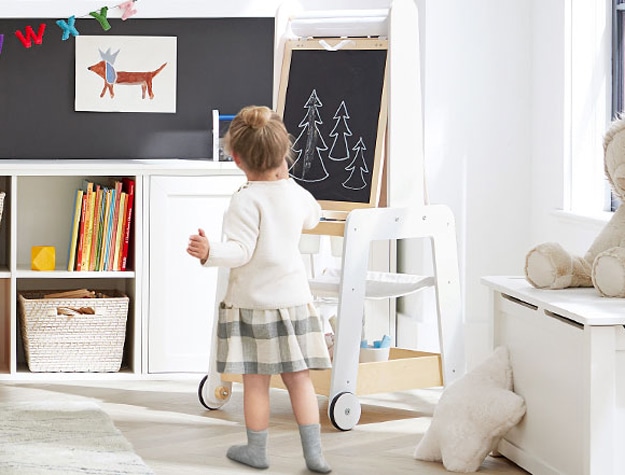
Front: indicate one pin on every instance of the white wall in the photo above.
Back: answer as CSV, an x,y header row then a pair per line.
x,y
478,149
167,9
516,101
551,101
145,8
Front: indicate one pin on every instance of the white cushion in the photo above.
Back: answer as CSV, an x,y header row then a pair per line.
x,y
472,415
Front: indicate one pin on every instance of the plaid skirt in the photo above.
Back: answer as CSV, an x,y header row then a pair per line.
x,y
284,340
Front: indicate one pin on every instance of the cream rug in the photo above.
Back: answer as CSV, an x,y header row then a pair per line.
x,y
39,438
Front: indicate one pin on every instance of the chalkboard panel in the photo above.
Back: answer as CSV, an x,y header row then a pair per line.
x,y
333,103
223,63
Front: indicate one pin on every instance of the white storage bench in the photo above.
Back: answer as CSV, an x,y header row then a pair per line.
x,y
567,349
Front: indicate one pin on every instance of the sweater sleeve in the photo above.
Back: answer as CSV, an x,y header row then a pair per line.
x,y
240,230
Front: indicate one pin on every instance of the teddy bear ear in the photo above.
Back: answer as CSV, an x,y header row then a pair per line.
x,y
614,133
614,159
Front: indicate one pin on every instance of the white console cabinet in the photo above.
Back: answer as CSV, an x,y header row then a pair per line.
x,y
567,350
182,292
172,297
170,308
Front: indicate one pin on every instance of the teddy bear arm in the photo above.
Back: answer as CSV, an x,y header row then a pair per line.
x,y
612,235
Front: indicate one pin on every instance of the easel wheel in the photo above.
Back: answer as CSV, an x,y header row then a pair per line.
x,y
212,399
222,393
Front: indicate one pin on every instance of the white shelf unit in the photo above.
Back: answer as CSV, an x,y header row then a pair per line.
x,y
38,210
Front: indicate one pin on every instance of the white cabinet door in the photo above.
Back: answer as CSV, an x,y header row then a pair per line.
x,y
182,292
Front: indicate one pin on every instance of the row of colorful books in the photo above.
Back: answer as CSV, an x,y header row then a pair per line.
x,y
101,226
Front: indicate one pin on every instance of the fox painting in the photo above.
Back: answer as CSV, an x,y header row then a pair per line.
x,y
107,72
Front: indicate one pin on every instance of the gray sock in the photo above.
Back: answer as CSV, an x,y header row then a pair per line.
x,y
311,443
254,453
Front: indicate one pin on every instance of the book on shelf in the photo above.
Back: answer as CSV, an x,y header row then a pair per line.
x,y
114,224
96,227
81,233
129,188
101,226
118,232
110,225
86,254
98,231
73,240
106,216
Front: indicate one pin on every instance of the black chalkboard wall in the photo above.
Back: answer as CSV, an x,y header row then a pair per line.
x,y
223,63
332,107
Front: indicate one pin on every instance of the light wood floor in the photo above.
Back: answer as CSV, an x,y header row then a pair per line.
x,y
175,435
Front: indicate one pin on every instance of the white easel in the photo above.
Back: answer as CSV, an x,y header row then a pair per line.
x,y
406,217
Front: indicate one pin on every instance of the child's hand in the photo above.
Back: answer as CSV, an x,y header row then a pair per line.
x,y
199,246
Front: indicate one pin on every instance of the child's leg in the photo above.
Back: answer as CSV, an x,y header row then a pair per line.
x,y
303,397
256,411
306,410
256,400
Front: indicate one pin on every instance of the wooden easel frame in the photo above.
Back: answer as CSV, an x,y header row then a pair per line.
x,y
379,151
404,216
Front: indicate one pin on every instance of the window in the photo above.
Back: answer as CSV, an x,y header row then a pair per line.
x,y
618,73
618,79
588,90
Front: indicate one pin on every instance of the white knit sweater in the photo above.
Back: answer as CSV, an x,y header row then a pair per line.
x,y
262,229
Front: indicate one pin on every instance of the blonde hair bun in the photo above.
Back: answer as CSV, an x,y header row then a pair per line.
x,y
256,117
259,138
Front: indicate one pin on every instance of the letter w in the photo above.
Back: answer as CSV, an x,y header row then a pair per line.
x,y
30,35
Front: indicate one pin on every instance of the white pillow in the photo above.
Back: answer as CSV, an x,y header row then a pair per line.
x,y
472,415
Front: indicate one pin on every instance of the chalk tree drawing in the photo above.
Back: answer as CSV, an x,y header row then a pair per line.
x,y
356,181
340,148
308,165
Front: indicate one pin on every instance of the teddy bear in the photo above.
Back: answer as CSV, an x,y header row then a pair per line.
x,y
550,266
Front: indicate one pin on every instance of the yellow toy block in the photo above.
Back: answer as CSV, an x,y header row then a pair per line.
x,y
42,258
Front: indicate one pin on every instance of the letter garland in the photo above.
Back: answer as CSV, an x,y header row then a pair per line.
x,y
68,27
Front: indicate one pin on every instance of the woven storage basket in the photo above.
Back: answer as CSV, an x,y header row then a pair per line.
x,y
73,343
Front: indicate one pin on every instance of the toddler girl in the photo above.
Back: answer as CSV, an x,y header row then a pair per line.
x,y
267,323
